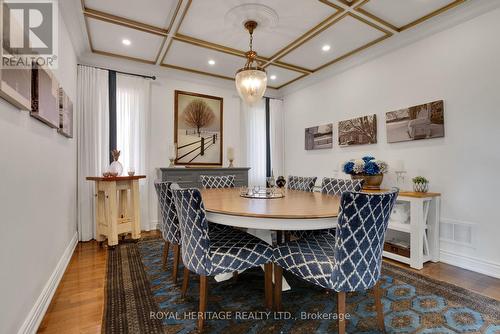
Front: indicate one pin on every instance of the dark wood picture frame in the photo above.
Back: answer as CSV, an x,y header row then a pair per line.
x,y
187,157
44,102
65,114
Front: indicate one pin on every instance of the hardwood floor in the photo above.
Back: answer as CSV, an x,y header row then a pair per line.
x,y
78,303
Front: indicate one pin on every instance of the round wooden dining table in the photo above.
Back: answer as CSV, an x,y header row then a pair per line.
x,y
297,210
267,219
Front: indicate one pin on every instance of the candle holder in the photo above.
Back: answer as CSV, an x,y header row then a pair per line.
x,y
400,177
172,160
231,163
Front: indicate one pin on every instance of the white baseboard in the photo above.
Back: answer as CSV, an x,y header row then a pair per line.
x,y
471,263
34,318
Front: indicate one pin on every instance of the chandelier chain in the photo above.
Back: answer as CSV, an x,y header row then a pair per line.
x,y
251,41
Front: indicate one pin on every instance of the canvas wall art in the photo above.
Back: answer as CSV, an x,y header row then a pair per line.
x,y
198,129
15,86
419,122
65,114
319,137
358,131
45,97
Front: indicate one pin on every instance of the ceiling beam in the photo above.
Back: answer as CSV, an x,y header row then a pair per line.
x,y
181,11
98,15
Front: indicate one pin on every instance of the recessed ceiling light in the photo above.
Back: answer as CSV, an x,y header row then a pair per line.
x,y
126,42
273,77
211,62
326,47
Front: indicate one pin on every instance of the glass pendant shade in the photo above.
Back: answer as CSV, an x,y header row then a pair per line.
x,y
251,80
251,85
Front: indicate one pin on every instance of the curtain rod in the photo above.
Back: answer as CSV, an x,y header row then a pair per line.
x,y
273,98
127,73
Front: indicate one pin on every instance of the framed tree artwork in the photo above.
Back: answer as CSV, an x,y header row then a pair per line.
x,y
198,134
65,114
358,131
45,96
15,85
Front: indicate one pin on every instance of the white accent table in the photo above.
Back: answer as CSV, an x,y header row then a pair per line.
x,y
423,228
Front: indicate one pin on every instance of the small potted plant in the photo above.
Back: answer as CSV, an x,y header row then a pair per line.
x,y
369,169
420,184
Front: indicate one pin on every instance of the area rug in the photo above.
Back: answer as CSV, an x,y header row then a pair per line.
x,y
141,298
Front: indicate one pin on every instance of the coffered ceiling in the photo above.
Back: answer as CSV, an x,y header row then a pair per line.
x,y
294,38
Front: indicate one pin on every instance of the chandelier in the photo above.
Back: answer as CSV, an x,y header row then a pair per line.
x,y
251,80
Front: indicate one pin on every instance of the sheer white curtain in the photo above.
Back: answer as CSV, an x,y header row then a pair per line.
x,y
276,134
254,127
93,142
133,95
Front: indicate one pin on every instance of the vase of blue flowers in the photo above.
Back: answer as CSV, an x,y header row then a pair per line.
x,y
369,169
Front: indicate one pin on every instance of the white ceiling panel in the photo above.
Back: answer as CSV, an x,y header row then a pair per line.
x,y
283,76
143,45
195,57
206,20
157,13
344,36
400,13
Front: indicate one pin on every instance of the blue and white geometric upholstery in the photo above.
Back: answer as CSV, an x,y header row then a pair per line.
x,y
352,260
301,183
216,251
169,225
336,187
212,181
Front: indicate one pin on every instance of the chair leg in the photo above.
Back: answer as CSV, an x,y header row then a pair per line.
x,y
203,301
341,311
377,292
235,274
164,259
185,282
278,273
268,284
176,262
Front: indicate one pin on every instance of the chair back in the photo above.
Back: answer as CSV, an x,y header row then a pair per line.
x,y
169,224
215,181
194,230
359,240
303,183
336,187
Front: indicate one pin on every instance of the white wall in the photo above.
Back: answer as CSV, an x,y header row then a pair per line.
x,y
162,124
459,65
37,200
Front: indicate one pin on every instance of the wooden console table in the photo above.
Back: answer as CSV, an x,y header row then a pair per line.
x,y
117,207
423,228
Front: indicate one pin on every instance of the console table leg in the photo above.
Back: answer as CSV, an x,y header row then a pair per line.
x,y
417,229
136,209
112,214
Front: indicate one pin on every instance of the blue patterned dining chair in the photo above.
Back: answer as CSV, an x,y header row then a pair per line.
x,y
169,225
303,183
217,181
333,187
347,262
214,252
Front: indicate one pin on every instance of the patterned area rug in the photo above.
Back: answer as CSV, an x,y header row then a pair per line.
x,y
141,297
